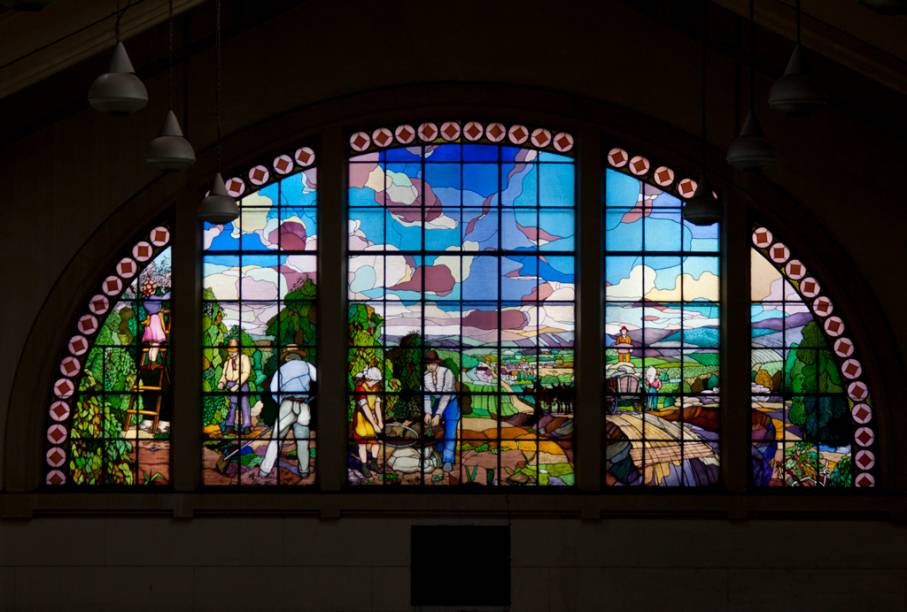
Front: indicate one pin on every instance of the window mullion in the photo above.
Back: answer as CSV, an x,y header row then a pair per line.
x,y
735,368
332,333
589,349
186,340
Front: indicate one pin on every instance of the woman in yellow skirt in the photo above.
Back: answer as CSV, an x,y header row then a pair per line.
x,y
368,419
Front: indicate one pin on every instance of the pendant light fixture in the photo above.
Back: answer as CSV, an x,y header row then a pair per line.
x,y
218,206
797,92
170,150
750,150
118,90
886,7
703,208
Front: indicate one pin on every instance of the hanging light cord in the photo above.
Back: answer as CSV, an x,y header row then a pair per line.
x,y
218,83
752,53
120,13
170,55
702,92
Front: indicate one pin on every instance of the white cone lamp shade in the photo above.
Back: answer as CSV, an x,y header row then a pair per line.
x,y
703,208
119,90
218,206
170,150
797,92
750,150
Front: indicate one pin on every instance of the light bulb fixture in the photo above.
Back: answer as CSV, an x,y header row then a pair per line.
x,y
750,150
703,208
797,92
170,150
118,90
218,207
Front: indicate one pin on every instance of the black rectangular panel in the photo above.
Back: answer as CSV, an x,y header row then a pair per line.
x,y
459,565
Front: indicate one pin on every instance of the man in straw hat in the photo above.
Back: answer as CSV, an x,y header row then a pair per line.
x,y
440,403
292,387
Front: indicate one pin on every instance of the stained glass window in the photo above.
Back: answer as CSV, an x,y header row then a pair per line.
x,y
259,330
661,332
461,306
109,419
812,417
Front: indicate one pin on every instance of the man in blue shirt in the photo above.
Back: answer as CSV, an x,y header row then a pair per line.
x,y
291,388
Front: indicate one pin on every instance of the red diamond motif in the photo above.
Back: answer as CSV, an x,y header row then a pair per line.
x,y
55,478
77,345
142,251
450,131
821,306
833,326
851,369
519,133
858,391
303,156
808,286
60,410
159,235
111,285
563,142
618,157
56,435
795,269
359,142
63,388
778,252
406,134
844,346
99,304
761,236
639,165
861,414
664,176
865,460
56,456
70,366
258,174
282,165
864,438
495,131
473,131
428,131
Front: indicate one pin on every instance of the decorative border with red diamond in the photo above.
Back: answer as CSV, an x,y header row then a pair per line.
x,y
262,174
87,323
642,168
455,131
795,272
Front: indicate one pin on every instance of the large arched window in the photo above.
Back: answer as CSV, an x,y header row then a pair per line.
x,y
109,419
661,331
461,305
812,414
259,329
452,347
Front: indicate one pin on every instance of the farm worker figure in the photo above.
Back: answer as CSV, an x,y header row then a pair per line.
x,y
623,342
653,385
155,332
368,419
292,388
235,377
440,403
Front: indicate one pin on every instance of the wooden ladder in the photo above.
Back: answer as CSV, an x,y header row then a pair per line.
x,y
147,366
